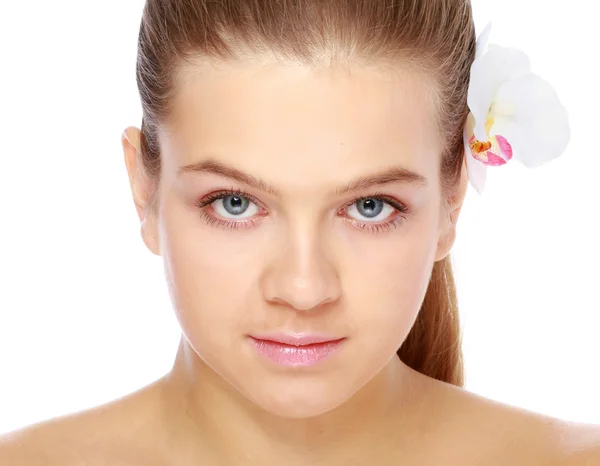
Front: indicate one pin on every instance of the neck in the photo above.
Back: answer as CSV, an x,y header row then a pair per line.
x,y
210,419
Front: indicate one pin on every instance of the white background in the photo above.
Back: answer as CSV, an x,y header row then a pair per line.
x,y
84,311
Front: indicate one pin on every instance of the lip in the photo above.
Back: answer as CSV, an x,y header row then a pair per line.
x,y
296,339
296,350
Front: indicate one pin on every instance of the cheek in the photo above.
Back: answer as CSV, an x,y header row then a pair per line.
x,y
390,287
206,274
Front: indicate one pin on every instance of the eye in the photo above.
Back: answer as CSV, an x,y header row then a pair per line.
x,y
371,208
235,209
230,209
376,213
234,206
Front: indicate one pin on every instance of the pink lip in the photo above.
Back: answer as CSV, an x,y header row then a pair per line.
x,y
296,350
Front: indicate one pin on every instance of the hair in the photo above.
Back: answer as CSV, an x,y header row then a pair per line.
x,y
434,37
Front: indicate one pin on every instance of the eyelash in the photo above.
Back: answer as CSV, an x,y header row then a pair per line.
x,y
397,220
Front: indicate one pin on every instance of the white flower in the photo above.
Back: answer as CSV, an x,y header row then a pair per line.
x,y
513,113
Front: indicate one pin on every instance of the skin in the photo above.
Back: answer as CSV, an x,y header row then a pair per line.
x,y
303,267
305,264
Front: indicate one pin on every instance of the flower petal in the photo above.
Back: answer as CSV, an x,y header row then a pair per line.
x,y
488,73
529,114
505,148
476,170
482,41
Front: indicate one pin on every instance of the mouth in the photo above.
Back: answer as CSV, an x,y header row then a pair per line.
x,y
296,350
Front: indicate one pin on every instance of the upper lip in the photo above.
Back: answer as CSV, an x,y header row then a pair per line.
x,y
296,339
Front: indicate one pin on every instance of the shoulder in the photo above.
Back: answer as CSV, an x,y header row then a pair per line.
x,y
511,435
579,444
115,434
546,440
51,442
47,442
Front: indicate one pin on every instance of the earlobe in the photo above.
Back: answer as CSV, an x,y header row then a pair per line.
x,y
149,233
445,244
141,188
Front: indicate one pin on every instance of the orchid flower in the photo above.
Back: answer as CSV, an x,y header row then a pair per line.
x,y
513,113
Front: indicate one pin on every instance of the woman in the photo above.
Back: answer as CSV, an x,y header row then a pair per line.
x,y
301,168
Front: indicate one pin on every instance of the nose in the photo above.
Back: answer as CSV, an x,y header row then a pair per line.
x,y
301,274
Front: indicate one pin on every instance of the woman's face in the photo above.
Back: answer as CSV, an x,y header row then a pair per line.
x,y
298,201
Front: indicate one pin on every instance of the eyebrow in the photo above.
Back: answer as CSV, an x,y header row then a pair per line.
x,y
388,176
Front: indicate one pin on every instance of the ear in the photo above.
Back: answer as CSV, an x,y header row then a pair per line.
x,y
450,213
143,188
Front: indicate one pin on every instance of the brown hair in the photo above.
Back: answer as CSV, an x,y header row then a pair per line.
x,y
436,37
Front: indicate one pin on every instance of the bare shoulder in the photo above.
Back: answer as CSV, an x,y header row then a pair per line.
x,y
116,434
546,440
579,443
506,434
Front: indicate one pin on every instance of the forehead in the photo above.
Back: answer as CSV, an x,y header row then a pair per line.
x,y
301,118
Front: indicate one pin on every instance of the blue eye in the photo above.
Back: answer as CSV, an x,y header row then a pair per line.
x,y
231,209
371,208
235,209
233,206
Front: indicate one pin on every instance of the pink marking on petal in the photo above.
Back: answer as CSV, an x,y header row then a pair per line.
x,y
500,152
494,160
505,147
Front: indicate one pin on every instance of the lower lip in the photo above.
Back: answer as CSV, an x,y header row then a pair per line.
x,y
290,355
